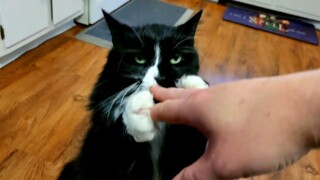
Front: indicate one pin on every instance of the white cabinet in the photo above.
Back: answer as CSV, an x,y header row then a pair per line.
x,y
63,9
308,9
92,9
22,18
265,2
27,23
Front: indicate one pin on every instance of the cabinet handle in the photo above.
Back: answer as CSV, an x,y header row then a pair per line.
x,y
2,32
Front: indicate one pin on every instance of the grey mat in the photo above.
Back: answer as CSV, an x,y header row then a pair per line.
x,y
134,13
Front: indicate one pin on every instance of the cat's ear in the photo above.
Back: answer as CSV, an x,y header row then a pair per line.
x,y
190,27
119,31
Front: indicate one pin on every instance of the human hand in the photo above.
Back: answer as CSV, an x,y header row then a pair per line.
x,y
253,126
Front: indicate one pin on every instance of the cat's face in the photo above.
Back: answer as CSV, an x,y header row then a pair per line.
x,y
154,54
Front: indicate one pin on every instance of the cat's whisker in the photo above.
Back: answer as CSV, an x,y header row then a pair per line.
x,y
178,36
138,36
120,62
121,101
130,89
97,85
188,50
139,88
115,99
110,107
186,39
100,107
112,104
106,103
131,167
143,32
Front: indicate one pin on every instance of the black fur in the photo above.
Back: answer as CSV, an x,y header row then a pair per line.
x,y
108,152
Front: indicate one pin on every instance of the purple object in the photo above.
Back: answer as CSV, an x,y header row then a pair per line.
x,y
267,22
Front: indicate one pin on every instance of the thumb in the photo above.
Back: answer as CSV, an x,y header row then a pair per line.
x,y
199,170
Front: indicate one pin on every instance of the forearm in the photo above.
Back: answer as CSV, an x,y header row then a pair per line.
x,y
305,89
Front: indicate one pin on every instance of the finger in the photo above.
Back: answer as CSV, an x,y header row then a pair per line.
x,y
199,170
177,111
162,94
170,111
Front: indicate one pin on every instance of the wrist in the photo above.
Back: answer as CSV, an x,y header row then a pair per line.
x,y
307,86
313,99
300,94
315,118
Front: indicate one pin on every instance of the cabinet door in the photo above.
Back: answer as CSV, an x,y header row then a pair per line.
x,y
110,5
63,9
309,8
95,8
23,18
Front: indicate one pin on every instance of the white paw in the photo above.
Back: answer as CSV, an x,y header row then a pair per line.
x,y
136,117
191,81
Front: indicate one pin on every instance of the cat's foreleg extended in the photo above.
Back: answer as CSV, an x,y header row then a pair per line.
x,y
136,116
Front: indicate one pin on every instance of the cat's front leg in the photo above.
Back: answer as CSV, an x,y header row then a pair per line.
x,y
191,81
136,116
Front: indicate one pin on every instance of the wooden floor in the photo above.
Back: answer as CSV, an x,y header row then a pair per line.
x,y
43,94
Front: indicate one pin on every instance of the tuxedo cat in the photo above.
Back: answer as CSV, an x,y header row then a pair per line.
x,y
123,142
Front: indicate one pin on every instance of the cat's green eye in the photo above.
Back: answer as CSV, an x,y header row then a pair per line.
x,y
176,60
140,60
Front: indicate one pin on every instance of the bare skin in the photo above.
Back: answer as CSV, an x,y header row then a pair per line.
x,y
253,126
